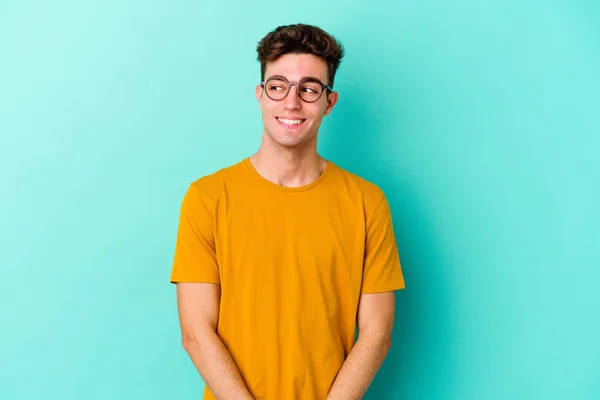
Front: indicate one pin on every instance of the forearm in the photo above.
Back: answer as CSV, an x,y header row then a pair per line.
x,y
360,367
216,366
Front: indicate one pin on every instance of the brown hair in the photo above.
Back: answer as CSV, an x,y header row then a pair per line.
x,y
300,38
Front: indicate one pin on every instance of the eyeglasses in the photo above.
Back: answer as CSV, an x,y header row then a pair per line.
x,y
309,89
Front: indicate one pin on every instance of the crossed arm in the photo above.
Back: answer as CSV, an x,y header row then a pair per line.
x,y
198,305
375,324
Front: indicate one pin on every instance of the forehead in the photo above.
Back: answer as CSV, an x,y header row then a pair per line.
x,y
296,66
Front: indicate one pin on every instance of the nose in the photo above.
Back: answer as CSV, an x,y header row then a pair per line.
x,y
292,101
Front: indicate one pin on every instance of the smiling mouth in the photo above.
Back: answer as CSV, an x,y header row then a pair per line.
x,y
290,123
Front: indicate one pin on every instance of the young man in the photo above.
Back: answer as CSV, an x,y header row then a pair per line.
x,y
281,256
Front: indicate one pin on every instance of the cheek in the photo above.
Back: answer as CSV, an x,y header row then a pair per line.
x,y
268,108
266,111
320,112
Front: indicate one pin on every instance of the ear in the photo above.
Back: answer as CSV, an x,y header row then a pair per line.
x,y
259,92
332,99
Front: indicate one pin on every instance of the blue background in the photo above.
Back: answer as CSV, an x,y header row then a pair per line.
x,y
479,119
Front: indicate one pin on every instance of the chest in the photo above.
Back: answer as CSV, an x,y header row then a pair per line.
x,y
290,241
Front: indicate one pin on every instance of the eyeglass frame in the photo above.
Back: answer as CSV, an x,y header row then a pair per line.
x,y
290,84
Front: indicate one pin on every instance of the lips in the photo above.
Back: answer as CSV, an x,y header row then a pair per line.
x,y
290,123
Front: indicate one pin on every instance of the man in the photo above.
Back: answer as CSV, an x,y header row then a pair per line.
x,y
281,256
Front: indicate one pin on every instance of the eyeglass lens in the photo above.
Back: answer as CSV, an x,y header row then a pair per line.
x,y
277,89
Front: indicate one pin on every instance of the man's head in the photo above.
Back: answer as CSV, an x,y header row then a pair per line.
x,y
308,58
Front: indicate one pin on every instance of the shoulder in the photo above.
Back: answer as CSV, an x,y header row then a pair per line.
x,y
213,183
208,188
369,192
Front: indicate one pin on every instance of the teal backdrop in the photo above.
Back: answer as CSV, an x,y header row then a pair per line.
x,y
479,119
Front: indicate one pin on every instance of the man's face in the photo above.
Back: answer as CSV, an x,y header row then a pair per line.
x,y
295,67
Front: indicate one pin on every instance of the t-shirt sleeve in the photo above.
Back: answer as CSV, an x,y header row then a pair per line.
x,y
195,257
382,271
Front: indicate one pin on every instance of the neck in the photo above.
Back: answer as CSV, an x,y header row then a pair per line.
x,y
288,166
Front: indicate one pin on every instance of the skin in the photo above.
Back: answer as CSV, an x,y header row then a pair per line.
x,y
198,306
289,158
375,324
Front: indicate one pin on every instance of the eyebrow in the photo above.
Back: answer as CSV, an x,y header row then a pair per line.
x,y
312,78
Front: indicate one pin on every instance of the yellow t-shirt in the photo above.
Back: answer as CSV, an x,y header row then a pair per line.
x,y
292,264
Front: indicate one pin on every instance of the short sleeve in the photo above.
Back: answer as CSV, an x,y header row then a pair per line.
x,y
382,271
195,257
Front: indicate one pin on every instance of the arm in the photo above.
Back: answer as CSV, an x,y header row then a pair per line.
x,y
375,323
198,305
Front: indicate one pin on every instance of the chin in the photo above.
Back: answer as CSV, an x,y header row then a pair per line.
x,y
290,141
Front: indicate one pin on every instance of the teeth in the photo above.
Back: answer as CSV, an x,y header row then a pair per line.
x,y
290,121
